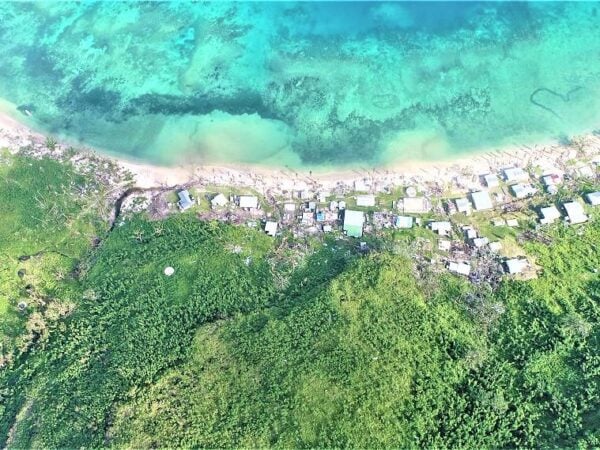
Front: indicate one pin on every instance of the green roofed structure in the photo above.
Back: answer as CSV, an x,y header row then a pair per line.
x,y
353,223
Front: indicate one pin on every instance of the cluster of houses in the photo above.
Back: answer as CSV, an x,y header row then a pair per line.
x,y
324,212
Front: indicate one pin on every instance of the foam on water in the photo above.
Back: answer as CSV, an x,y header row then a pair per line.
x,y
302,83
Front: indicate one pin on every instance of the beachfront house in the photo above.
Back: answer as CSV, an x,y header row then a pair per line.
x,y
481,200
185,200
491,180
549,214
414,205
515,265
271,228
442,228
218,201
403,222
248,201
575,212
593,198
461,268
365,200
515,175
463,205
353,223
520,190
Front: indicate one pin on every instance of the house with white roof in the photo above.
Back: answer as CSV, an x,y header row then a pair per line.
x,y
491,180
442,228
353,223
365,200
403,222
575,212
271,228
515,265
549,214
461,268
463,205
481,200
515,174
593,198
520,190
289,207
218,201
248,201
551,179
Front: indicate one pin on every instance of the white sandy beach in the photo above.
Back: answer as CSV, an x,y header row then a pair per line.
x,y
14,135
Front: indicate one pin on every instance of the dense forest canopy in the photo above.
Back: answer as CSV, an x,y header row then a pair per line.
x,y
240,349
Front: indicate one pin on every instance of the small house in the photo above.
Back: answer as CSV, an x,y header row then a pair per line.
x,y
491,180
461,268
342,204
515,265
481,242
321,216
495,246
248,201
549,214
481,200
515,175
365,200
327,228
289,207
353,223
442,228
551,180
403,222
444,245
523,190
463,205
218,201
575,212
271,228
512,223
185,200
322,196
593,198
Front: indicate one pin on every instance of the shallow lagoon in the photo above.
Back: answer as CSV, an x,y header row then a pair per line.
x,y
302,83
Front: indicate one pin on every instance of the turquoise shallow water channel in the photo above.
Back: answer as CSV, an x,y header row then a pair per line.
x,y
306,83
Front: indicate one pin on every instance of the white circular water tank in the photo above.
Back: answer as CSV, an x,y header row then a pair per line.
x,y
411,191
169,271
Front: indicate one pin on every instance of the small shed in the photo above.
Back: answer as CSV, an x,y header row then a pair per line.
x,y
593,198
342,204
512,222
481,242
575,212
185,200
444,245
353,223
218,201
248,201
365,200
271,227
481,200
289,207
551,180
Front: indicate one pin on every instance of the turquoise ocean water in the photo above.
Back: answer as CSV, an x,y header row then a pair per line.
x,y
302,82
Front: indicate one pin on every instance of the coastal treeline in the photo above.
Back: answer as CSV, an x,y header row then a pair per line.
x,y
241,348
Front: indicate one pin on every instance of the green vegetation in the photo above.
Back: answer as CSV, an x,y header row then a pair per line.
x,y
249,344
50,215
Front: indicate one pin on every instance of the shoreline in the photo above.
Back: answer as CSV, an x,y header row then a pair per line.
x,y
14,135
